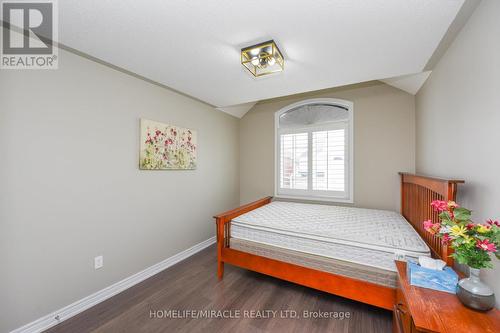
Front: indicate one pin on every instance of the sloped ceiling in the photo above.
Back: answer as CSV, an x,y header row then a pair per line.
x,y
409,83
193,46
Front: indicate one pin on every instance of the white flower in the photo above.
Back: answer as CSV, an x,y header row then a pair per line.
x,y
444,229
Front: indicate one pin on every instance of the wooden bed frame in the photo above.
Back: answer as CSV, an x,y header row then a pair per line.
x,y
417,192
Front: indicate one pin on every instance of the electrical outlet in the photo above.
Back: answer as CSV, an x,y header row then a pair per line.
x,y
98,262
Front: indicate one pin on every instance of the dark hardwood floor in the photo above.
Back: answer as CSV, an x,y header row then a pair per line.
x,y
192,285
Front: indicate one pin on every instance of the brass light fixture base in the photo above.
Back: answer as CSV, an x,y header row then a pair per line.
x,y
262,59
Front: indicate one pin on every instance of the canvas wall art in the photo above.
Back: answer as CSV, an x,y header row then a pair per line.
x,y
167,147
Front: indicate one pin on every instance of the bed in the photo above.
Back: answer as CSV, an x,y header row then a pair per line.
x,y
345,251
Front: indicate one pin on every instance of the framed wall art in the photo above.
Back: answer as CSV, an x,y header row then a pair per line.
x,y
167,147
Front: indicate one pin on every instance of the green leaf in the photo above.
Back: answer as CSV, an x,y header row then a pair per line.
x,y
462,214
445,216
496,238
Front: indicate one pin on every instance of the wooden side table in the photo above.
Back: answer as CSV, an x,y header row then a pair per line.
x,y
426,310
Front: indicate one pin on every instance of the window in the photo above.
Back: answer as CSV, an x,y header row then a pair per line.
x,y
314,150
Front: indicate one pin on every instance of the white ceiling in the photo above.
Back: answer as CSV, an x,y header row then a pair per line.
x,y
193,46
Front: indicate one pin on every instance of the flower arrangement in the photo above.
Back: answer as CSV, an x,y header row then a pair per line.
x,y
472,242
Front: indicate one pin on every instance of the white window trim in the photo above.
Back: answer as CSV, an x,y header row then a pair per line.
x,y
309,194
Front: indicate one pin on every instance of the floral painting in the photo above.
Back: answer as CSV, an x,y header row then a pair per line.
x,y
165,147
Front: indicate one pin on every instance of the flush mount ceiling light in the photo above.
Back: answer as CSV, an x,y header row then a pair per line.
x,y
262,59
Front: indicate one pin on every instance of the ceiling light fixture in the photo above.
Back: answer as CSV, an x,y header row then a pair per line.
x,y
262,59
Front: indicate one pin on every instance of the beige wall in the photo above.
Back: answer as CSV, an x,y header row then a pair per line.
x,y
71,189
458,118
384,143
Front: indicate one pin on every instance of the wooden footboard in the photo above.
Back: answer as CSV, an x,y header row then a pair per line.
x,y
223,228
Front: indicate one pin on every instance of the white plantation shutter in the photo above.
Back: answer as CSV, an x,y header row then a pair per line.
x,y
294,161
328,167
314,151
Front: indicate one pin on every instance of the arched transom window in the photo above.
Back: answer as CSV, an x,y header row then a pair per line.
x,y
314,150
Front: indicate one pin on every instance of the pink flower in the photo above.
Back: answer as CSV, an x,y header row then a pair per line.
x,y
428,224
158,132
439,205
431,227
485,245
493,222
446,239
470,226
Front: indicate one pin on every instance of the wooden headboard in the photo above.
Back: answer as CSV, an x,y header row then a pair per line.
x,y
417,193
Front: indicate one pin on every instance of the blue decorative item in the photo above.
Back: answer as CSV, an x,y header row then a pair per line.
x,y
445,280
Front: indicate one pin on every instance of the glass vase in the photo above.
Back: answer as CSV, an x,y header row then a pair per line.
x,y
474,293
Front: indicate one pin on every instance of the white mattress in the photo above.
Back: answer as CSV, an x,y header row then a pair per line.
x,y
365,236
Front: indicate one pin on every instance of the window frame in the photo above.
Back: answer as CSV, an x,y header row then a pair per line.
x,y
346,196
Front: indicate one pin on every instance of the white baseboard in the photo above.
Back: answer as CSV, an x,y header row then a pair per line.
x,y
75,308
